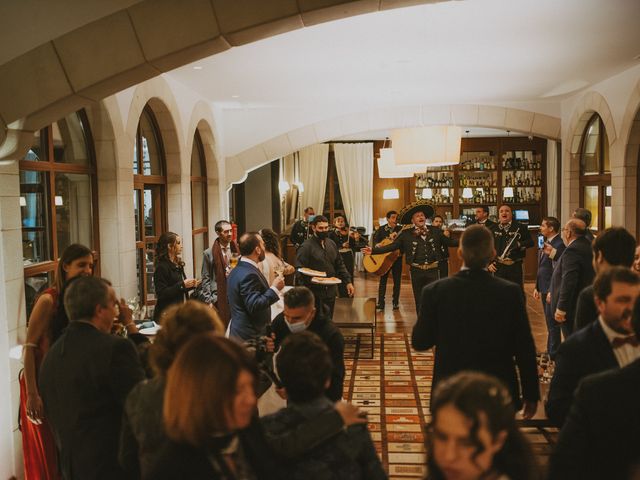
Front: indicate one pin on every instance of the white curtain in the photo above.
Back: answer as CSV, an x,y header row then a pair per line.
x,y
552,178
314,164
354,165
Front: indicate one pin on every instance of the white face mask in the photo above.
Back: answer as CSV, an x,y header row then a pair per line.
x,y
296,327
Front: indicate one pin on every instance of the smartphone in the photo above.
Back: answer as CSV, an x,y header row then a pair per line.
x,y
540,241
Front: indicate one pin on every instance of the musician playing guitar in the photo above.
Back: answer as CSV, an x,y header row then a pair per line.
x,y
390,231
512,239
420,244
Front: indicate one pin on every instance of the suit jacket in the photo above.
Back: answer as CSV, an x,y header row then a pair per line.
x,y
601,436
168,279
546,265
490,224
84,381
572,273
214,279
586,310
250,299
478,322
312,255
585,352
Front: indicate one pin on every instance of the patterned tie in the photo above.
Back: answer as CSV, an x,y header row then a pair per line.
x,y
621,341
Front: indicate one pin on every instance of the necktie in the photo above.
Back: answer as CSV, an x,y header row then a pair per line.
x,y
621,341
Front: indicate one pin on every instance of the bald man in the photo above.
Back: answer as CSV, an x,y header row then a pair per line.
x,y
573,272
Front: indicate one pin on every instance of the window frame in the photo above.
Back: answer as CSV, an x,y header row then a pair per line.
x,y
50,167
194,179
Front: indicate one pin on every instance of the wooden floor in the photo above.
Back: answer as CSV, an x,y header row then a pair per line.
x,y
394,386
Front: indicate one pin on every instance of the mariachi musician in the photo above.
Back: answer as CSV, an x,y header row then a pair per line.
x,y
300,230
346,244
512,239
420,244
391,231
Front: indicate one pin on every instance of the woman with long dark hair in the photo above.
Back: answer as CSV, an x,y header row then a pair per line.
x,y
47,321
273,264
473,433
171,284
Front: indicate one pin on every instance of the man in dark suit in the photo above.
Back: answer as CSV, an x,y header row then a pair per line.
x,y
420,244
299,315
85,379
250,296
572,273
482,217
597,346
512,239
319,252
301,229
601,435
550,229
390,230
584,215
615,246
479,322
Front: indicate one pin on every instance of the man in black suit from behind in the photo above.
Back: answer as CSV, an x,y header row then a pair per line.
x,y
85,379
616,246
479,322
550,229
573,272
601,435
597,347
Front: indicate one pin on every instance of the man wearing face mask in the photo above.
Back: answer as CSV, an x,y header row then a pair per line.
x,y
318,252
250,295
300,314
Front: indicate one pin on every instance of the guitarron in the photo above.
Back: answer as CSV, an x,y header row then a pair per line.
x,y
380,263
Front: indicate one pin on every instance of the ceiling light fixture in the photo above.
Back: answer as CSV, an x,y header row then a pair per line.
x,y
197,67
432,146
467,192
387,167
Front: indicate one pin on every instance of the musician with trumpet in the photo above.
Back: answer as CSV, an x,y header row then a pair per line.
x,y
512,239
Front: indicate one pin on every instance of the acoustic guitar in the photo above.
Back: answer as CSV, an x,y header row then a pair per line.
x,y
379,264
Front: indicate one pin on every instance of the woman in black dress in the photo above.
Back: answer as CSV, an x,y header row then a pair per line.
x,y
171,283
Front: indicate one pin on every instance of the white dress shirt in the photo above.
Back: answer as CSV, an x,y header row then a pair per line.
x,y
625,354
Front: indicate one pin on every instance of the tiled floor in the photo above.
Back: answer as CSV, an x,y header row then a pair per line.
x,y
394,387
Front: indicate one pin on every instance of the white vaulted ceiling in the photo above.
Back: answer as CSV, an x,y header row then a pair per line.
x,y
527,54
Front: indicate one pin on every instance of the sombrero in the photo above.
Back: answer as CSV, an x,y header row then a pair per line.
x,y
424,206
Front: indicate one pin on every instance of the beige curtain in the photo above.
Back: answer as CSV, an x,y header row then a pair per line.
x,y
314,163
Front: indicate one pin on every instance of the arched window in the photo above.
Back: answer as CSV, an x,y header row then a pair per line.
x,y
595,173
199,217
149,200
58,199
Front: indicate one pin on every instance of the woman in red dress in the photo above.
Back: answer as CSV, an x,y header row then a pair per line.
x,y
47,321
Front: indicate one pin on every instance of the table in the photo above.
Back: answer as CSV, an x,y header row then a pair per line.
x,y
356,313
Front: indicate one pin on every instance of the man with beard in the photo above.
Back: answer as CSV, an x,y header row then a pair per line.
x,y
421,246
508,262
319,252
250,296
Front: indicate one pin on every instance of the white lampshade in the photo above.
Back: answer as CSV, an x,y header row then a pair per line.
x,y
427,146
23,201
507,192
445,192
467,193
59,201
387,167
391,194
427,193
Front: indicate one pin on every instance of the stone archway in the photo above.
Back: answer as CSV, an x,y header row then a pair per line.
x,y
630,141
504,118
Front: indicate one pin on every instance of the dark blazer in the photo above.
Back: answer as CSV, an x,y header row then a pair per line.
x,y
585,352
601,436
488,223
571,274
168,279
546,264
84,381
322,326
586,310
250,299
208,288
312,255
478,322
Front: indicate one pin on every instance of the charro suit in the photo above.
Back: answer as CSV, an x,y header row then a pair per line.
x,y
84,381
601,435
572,273
250,300
478,322
586,352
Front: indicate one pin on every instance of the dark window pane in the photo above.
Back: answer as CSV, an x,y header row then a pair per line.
x,y
136,213
150,253
197,161
69,143
35,153
34,286
34,208
198,204
73,210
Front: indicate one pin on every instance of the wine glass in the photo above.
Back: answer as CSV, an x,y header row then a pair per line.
x,y
279,270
